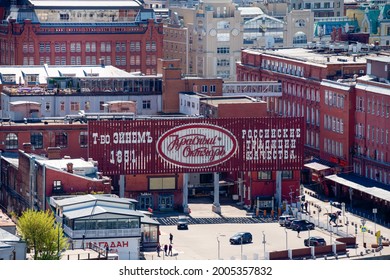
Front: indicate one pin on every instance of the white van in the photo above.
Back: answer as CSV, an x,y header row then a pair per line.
x,y
284,218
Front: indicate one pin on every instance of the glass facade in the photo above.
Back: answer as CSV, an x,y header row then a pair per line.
x,y
102,224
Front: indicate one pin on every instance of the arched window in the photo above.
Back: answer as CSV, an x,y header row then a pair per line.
x,y
11,141
300,38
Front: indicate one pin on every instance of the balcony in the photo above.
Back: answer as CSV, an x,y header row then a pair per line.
x,y
102,233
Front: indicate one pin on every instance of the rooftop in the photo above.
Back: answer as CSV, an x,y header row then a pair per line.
x,y
84,3
308,55
215,101
76,199
5,221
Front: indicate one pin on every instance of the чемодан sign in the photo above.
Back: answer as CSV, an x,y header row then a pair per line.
x,y
196,145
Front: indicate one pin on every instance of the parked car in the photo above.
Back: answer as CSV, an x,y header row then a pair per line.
x,y
244,237
182,222
314,241
289,221
302,225
284,218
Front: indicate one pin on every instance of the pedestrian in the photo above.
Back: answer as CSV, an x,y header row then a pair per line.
x,y
165,249
306,204
170,250
298,231
158,249
170,238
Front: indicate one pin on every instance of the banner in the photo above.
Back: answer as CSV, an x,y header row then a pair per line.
x,y
196,145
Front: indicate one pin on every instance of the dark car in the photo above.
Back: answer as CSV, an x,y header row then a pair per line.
x,y
314,241
302,225
182,222
244,237
289,221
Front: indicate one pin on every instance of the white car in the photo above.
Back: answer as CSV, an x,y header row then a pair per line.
x,y
284,218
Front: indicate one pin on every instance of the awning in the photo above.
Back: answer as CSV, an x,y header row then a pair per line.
x,y
371,190
316,166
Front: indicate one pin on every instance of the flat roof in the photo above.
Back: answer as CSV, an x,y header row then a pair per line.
x,y
79,164
385,59
317,166
215,101
247,11
311,56
84,3
365,185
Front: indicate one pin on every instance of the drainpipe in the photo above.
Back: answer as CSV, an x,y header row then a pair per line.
x,y
44,186
32,182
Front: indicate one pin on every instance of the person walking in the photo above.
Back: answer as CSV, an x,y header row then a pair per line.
x,y
158,249
165,249
298,231
170,250
170,238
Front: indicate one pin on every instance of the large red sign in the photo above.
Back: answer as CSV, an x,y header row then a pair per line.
x,y
196,145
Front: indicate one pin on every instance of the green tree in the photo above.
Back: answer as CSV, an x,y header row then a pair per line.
x,y
42,234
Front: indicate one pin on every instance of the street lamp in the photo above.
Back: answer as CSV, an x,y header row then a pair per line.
x,y
242,241
327,226
318,212
219,249
374,211
363,229
264,243
285,230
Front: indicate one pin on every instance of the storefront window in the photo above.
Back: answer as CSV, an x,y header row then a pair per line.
x,y
150,233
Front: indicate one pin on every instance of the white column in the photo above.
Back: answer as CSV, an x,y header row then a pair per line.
x,y
278,194
186,209
216,206
121,185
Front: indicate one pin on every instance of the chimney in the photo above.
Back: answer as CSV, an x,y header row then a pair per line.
x,y
69,167
54,153
27,148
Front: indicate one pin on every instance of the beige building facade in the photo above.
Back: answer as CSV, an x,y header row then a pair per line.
x,y
215,36
299,28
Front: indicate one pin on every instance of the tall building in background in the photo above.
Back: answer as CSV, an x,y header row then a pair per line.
x,y
215,37
329,8
61,32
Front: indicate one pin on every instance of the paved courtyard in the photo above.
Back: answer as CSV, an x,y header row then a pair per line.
x,y
208,234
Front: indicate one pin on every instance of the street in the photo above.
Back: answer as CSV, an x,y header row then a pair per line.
x,y
211,241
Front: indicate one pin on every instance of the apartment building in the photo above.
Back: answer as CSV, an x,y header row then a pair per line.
x,y
119,33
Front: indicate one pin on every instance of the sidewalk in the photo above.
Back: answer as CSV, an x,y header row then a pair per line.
x,y
348,225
